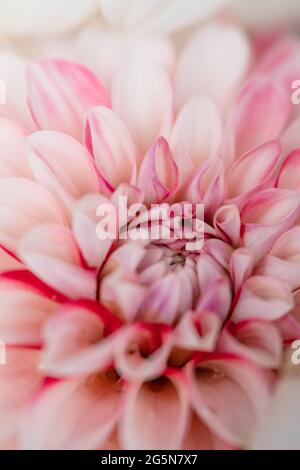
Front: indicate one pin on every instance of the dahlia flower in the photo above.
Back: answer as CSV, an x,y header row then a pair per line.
x,y
137,344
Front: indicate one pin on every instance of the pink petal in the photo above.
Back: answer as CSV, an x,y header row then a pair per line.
x,y
251,171
247,125
60,94
255,340
158,175
142,97
23,205
21,368
263,298
155,414
75,342
51,253
92,402
227,222
197,331
229,395
12,149
196,134
62,165
288,177
241,266
110,143
141,352
290,138
23,312
265,216
216,46
84,227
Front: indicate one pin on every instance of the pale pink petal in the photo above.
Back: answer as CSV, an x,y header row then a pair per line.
x,y
13,78
255,340
158,175
252,171
196,134
264,298
23,312
60,94
290,138
75,341
267,215
142,97
283,262
227,222
51,253
216,47
241,266
155,414
8,262
62,165
288,177
197,331
110,143
19,380
12,149
200,437
23,205
84,225
83,414
141,351
247,126
229,395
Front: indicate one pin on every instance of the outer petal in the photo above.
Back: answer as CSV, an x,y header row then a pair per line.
x,y
60,94
23,312
288,177
23,205
32,19
264,298
267,215
215,46
92,402
247,126
196,134
62,165
12,149
229,395
155,414
52,255
110,143
142,97
21,368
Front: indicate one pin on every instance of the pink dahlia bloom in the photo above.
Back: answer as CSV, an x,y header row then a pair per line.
x,y
138,344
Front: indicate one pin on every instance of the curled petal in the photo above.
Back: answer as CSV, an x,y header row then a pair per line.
x,y
142,97
241,266
227,222
197,331
256,340
266,216
196,134
92,402
155,414
142,351
252,171
62,165
110,143
215,46
24,204
288,177
264,298
158,175
60,94
75,342
51,253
